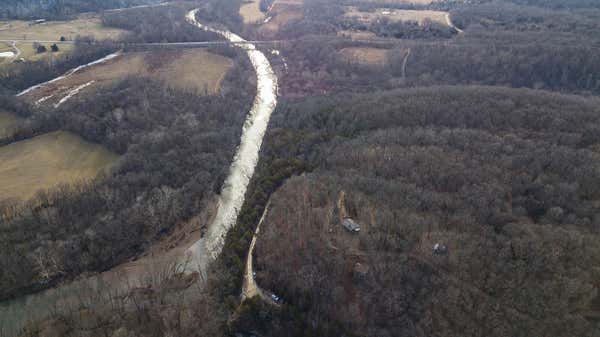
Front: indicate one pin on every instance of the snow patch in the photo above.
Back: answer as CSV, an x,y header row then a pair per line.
x,y
72,93
69,73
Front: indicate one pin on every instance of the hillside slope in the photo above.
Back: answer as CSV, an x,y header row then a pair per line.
x,y
504,178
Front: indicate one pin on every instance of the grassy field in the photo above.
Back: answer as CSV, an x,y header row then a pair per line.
x,y
397,15
47,161
5,47
30,54
250,12
193,70
7,123
52,31
364,55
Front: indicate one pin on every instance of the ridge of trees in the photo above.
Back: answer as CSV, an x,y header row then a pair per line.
x,y
501,176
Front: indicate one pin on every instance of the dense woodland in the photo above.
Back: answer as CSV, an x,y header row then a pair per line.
x,y
156,24
506,176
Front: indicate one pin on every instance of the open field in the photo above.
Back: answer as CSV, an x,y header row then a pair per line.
x,y
47,161
7,123
397,15
364,55
250,12
30,54
281,13
193,70
51,31
5,47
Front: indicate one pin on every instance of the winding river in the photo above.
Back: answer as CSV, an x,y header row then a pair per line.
x,y
246,157
14,314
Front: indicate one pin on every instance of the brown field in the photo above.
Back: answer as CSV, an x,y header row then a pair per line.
x,y
364,55
250,12
282,12
193,70
47,161
53,30
357,35
7,123
5,47
30,54
397,15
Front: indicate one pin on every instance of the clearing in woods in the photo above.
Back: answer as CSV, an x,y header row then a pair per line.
x,y
30,54
53,31
250,12
8,122
47,161
357,35
193,70
397,15
281,13
364,55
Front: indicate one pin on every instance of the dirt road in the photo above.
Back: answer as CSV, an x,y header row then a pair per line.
x,y
250,288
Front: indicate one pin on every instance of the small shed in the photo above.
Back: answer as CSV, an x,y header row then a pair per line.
x,y
350,225
37,22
